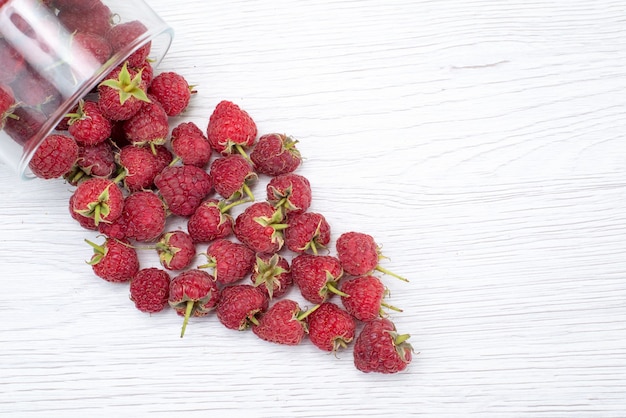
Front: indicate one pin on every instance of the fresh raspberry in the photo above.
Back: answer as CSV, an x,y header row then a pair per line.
x,y
230,129
88,125
25,123
283,323
176,250
12,61
149,126
141,167
7,104
183,188
97,20
275,154
330,327
87,223
239,306
82,5
163,157
172,91
259,227
316,276
212,220
143,217
272,274
359,254
231,261
56,156
90,46
232,176
150,289
115,260
379,348
308,231
121,94
290,192
147,72
124,34
34,90
190,145
193,293
99,199
364,298
97,160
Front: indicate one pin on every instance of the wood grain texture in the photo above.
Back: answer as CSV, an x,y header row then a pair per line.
x,y
480,142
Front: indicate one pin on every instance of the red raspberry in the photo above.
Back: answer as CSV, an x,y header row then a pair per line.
x,y
232,176
97,20
316,276
231,261
283,323
230,129
25,123
99,199
172,91
33,90
149,126
87,223
115,260
124,34
143,217
359,254
193,293
190,145
239,306
150,289
379,348
211,220
56,156
141,167
163,156
97,160
308,231
90,46
183,188
121,94
88,125
365,298
275,154
272,274
330,327
147,72
82,5
290,192
259,227
176,250
7,104
12,62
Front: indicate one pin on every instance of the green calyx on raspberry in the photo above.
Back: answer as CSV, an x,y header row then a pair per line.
x,y
313,243
269,273
127,88
99,252
273,226
400,342
166,251
385,271
331,286
98,209
78,115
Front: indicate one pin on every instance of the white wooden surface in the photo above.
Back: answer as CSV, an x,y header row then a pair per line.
x,y
481,142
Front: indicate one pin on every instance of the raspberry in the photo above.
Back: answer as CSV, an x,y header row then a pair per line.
x,y
308,231
141,167
149,289
12,62
124,34
232,176
193,293
239,306
88,125
330,327
115,260
272,274
98,199
316,276
359,254
121,94
87,46
176,250
97,20
183,188
283,323
148,126
211,220
190,145
275,154
231,261
230,129
7,104
259,227
172,91
379,348
364,299
143,217
56,156
97,160
290,192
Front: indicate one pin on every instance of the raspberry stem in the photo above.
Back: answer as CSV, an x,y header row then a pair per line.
x,y
390,273
393,308
188,310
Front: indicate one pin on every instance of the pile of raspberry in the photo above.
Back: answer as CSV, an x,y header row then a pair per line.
x,y
132,173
